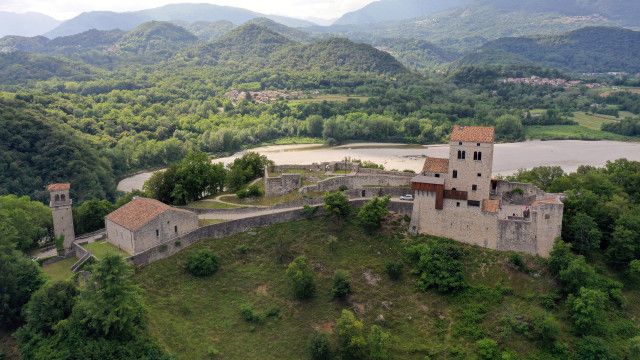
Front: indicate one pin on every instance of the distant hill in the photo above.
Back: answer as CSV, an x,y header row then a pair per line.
x,y
393,10
26,24
20,67
156,39
208,30
105,20
286,31
592,49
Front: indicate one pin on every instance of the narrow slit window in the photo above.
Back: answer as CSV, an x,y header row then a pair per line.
x,y
455,174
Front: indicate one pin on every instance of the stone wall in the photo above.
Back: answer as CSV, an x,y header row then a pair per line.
x,y
359,181
281,185
468,169
225,229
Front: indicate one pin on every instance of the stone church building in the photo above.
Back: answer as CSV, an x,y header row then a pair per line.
x,y
457,198
144,223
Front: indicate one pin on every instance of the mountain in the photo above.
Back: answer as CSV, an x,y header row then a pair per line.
x,y
417,54
249,43
25,24
208,30
106,20
286,31
156,39
590,50
393,10
20,67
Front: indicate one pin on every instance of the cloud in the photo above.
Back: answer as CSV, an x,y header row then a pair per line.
x,y
64,9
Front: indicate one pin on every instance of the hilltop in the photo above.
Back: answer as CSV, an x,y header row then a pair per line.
x,y
592,49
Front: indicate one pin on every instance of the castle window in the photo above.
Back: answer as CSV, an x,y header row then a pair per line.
x,y
464,155
62,197
473,203
57,197
478,144
455,174
157,232
477,155
479,175
458,204
175,229
460,143
474,187
437,175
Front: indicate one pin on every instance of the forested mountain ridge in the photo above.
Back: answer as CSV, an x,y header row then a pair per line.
x,y
156,39
25,24
393,10
105,20
592,49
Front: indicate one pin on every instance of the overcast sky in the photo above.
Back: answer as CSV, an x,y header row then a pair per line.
x,y
65,9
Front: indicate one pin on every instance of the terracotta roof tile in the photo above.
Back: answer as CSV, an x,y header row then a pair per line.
x,y
550,199
138,212
59,187
436,165
491,206
477,134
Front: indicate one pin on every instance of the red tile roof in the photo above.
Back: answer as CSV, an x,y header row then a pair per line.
x,y
476,134
436,165
139,212
59,187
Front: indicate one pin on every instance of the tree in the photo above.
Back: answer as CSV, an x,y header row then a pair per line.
x,y
19,278
577,274
336,204
89,216
594,348
373,212
543,176
584,233
378,342
352,344
202,263
48,306
509,127
302,278
588,311
440,268
560,256
315,125
341,285
245,169
24,222
319,347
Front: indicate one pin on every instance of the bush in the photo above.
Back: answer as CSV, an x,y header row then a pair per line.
x,y
309,211
373,212
378,342
518,261
594,348
545,328
250,315
343,188
588,311
350,334
488,349
319,347
336,204
439,267
560,256
202,263
634,348
341,285
302,278
252,191
394,269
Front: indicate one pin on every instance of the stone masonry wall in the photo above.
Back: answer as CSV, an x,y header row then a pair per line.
x,y
359,181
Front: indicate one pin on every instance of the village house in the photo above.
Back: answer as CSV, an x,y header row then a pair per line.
x,y
144,223
457,198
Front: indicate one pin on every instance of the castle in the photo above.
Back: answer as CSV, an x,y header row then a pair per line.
x,y
457,198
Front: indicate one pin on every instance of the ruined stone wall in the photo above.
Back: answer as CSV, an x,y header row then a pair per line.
x,y
281,185
359,181
548,220
528,189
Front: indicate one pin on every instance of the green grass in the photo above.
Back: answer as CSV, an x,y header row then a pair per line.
x,y
100,249
205,222
593,121
571,132
190,315
212,205
295,140
61,270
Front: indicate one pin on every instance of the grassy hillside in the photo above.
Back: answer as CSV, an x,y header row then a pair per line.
x,y
194,318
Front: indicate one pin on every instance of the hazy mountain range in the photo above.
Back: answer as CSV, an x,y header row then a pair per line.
x,y
26,24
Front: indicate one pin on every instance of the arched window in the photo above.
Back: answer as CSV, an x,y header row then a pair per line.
x,y
62,197
464,155
459,154
57,197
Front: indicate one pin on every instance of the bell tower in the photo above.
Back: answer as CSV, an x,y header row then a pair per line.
x,y
60,204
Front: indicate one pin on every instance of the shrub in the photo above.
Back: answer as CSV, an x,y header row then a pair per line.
x,y
373,212
341,285
583,232
302,278
439,267
394,269
252,191
350,334
250,315
560,256
634,348
378,343
588,311
319,347
336,204
594,348
577,274
488,349
177,243
309,211
343,188
545,328
202,263
518,261
634,270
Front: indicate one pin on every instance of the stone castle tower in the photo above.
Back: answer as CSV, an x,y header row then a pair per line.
x,y
471,161
62,214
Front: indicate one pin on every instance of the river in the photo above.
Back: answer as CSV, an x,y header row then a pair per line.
x,y
508,158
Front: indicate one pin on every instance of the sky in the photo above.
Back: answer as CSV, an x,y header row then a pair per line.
x,y
66,9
